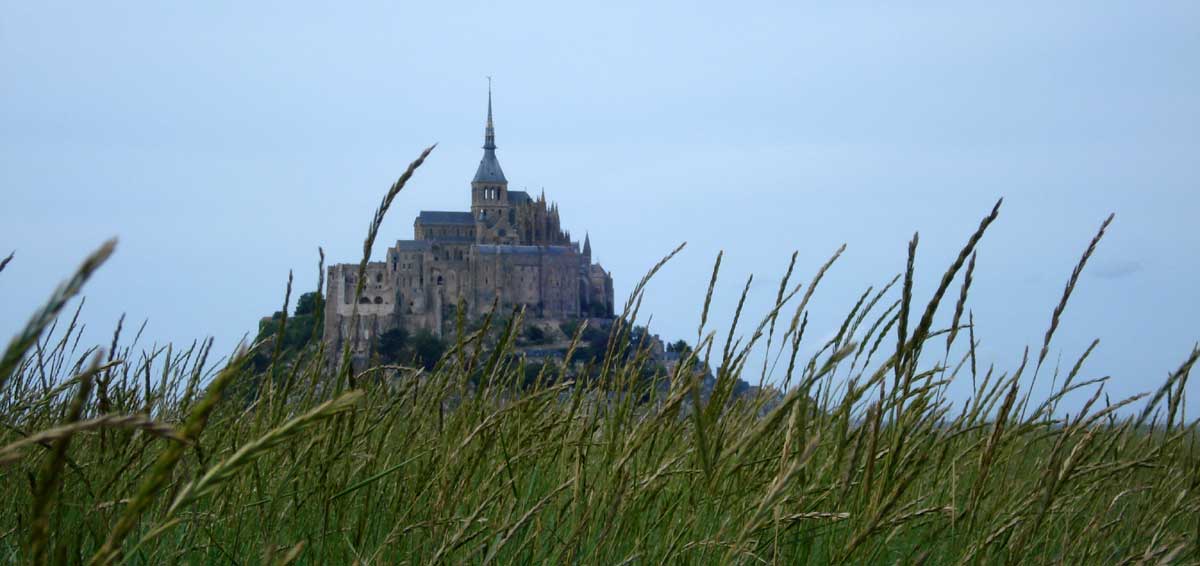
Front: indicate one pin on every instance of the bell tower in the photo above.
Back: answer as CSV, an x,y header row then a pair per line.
x,y
489,189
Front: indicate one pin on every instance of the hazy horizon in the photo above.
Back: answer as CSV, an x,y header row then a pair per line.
x,y
224,144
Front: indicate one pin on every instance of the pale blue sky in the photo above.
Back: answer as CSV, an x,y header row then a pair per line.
x,y
223,143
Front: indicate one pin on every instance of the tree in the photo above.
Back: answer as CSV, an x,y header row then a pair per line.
x,y
638,335
309,303
598,310
569,327
428,348
680,346
392,344
535,334
594,344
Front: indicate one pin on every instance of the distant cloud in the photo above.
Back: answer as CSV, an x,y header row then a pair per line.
x,y
1117,269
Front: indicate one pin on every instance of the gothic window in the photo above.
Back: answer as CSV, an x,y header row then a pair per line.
x,y
379,300
379,278
364,301
440,280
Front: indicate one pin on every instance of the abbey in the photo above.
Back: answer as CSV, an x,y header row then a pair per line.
x,y
509,250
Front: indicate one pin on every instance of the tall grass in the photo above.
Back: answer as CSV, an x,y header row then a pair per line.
x,y
162,457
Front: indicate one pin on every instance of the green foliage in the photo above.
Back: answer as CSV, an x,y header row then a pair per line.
x,y
427,348
534,334
145,460
593,344
680,346
309,303
569,327
549,372
597,310
396,346
303,329
392,346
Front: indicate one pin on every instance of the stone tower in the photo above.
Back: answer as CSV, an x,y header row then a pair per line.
x,y
489,192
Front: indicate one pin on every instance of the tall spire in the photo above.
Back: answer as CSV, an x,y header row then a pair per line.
x,y
587,244
489,132
489,167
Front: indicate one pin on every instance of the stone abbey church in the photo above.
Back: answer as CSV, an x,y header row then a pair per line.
x,y
509,250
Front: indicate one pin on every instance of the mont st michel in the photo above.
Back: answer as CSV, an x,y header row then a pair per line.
x,y
509,251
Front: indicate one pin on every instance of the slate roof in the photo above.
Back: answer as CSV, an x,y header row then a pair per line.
x,y
445,217
489,169
412,245
525,250
518,197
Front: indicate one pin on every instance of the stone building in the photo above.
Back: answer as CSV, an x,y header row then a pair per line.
x,y
509,250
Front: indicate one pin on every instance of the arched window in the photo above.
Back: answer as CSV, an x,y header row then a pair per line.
x,y
379,300
440,280
364,301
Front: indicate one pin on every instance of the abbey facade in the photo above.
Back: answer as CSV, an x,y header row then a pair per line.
x,y
509,250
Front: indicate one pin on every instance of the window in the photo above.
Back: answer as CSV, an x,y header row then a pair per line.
x,y
379,300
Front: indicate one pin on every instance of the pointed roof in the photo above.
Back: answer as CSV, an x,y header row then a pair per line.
x,y
489,167
587,244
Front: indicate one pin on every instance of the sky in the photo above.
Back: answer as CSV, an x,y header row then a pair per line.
x,y
223,142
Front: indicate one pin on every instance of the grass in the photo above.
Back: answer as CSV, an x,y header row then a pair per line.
x,y
121,455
